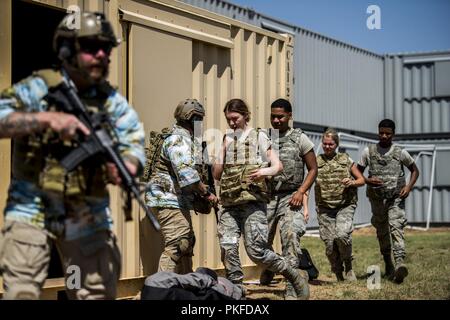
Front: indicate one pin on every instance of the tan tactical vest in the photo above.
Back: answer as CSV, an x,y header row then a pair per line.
x,y
35,158
291,178
389,169
329,190
155,162
242,157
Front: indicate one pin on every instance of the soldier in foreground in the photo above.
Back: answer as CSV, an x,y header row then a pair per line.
x,y
46,204
336,198
387,191
288,189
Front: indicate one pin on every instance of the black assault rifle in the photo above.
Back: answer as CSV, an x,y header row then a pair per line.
x,y
99,142
210,178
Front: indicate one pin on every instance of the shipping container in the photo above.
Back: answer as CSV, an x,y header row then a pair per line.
x,y
169,51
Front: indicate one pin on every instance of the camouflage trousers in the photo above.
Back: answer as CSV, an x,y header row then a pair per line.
x,y
250,220
389,218
335,228
179,239
91,263
292,226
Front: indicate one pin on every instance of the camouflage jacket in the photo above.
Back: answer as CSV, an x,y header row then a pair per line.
x,y
82,192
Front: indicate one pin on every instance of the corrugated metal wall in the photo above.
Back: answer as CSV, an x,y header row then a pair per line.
x,y
340,85
227,9
200,55
329,75
417,202
345,81
228,60
410,94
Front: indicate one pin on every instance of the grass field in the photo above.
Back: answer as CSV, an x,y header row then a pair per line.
x,y
428,261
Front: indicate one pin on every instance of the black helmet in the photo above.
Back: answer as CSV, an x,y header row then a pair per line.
x,y
91,25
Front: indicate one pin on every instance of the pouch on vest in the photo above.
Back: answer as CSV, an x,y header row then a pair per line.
x,y
153,152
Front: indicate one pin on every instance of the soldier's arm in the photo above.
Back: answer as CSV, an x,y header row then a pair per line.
x,y
305,206
412,180
359,178
311,164
18,124
361,168
217,167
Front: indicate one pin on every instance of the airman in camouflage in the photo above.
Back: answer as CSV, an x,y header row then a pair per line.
x,y
172,185
387,191
242,168
336,198
46,205
288,189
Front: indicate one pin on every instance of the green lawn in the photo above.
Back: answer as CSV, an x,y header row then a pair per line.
x,y
428,261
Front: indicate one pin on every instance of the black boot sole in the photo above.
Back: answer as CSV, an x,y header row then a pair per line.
x,y
400,274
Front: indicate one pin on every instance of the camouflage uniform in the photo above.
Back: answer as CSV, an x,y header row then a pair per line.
x,y
171,202
45,203
291,147
388,210
244,207
336,206
251,221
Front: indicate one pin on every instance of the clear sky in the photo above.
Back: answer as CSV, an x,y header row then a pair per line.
x,y
406,25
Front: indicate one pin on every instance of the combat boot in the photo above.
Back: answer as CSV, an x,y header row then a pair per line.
x,y
400,272
290,293
349,274
266,277
300,285
339,276
389,266
338,270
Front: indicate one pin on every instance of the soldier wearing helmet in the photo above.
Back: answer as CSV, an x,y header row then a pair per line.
x,y
46,205
172,187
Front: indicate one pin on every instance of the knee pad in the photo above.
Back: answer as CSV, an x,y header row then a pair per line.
x,y
186,246
22,292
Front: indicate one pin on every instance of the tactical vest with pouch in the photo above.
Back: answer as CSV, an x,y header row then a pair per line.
x,y
243,157
291,178
36,158
389,169
329,190
157,163
153,154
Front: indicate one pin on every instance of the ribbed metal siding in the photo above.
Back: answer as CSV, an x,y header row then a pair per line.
x,y
218,74
256,79
416,203
336,84
226,9
410,98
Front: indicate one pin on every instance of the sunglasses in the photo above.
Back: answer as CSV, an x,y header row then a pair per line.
x,y
93,46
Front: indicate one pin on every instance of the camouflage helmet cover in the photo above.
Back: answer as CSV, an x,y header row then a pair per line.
x,y
89,24
188,108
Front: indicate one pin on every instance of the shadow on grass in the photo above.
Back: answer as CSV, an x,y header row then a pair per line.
x,y
317,282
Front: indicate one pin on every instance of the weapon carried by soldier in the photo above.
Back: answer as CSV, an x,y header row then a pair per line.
x,y
210,178
98,142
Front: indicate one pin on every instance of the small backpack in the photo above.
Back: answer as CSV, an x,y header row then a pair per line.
x,y
153,151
